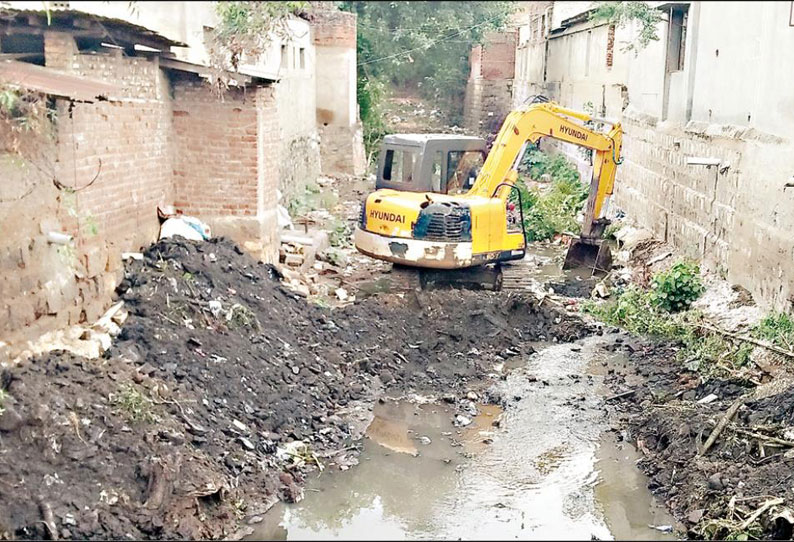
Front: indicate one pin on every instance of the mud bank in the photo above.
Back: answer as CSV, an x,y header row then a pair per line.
x,y
224,389
740,486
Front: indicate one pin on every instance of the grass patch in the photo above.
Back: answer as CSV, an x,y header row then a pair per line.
x,y
135,406
664,312
703,351
553,208
776,328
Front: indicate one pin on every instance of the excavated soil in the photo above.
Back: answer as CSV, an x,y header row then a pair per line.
x,y
180,430
667,424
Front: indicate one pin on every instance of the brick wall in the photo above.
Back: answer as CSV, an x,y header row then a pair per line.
x,y
334,28
215,169
124,148
217,159
226,166
489,91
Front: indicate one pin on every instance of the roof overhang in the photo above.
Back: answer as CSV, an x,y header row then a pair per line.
x,y
52,82
82,24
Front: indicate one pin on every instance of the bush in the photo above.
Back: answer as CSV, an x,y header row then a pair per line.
x,y
553,209
677,288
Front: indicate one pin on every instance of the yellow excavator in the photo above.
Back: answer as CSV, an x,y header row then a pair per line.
x,y
412,220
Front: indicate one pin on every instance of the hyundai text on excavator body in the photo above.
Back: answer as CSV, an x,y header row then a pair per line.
x,y
428,229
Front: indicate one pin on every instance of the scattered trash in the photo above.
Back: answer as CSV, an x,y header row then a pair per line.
x,y
185,226
710,398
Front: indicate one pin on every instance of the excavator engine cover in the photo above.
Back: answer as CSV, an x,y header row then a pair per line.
x,y
590,253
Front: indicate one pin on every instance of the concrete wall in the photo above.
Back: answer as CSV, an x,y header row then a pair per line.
x,y
733,102
729,98
295,95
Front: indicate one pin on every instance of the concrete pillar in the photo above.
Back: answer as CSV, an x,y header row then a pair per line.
x,y
341,141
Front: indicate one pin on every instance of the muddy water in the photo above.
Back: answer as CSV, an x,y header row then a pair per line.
x,y
542,469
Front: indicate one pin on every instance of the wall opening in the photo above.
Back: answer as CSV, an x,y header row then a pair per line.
x,y
302,58
676,38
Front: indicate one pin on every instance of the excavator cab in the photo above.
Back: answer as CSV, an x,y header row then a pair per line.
x,y
437,163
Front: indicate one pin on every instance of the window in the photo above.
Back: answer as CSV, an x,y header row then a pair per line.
x,y
303,58
399,166
462,170
284,58
676,38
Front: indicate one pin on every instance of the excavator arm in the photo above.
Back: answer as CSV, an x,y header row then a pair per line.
x,y
525,127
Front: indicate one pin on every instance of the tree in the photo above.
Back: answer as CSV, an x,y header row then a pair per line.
x,y
623,13
422,46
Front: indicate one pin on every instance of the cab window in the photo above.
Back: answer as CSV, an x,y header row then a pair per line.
x,y
399,166
462,169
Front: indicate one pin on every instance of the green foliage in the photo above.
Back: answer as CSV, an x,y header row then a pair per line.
x,y
136,406
3,396
423,46
240,316
553,209
247,28
371,93
677,288
776,328
637,311
623,13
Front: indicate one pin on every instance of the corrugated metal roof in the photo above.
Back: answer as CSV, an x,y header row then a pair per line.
x,y
56,83
63,20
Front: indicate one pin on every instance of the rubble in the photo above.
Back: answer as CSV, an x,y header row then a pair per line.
x,y
174,430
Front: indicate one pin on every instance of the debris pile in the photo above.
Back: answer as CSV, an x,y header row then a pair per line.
x,y
718,451
224,387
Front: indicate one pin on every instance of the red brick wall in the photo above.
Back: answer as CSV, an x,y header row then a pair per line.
x,y
489,89
499,56
215,169
336,28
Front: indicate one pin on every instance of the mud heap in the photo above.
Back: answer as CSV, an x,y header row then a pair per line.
x,y
195,417
740,487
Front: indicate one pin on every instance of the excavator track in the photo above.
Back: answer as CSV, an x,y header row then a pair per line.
x,y
407,279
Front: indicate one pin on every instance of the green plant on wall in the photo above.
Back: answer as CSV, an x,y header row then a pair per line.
x,y
624,13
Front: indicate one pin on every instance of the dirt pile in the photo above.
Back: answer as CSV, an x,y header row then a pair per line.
x,y
224,388
715,493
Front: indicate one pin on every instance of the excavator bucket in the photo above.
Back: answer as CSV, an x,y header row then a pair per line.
x,y
591,254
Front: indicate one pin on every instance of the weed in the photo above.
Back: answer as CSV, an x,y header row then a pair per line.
x,y
240,316
239,506
776,328
338,233
552,209
136,406
611,230
677,288
707,353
